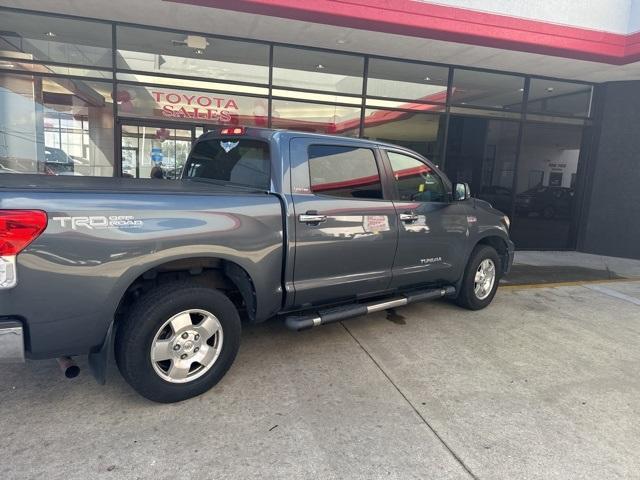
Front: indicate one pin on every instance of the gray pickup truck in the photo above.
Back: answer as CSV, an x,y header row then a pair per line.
x,y
264,223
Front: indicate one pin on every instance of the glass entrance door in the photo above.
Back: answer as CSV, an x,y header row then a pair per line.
x,y
152,151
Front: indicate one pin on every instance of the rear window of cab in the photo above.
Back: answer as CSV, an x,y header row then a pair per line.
x,y
239,161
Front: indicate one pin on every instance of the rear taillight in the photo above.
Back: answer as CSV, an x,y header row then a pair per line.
x,y
232,131
18,228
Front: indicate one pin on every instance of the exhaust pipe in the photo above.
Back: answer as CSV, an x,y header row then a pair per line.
x,y
68,367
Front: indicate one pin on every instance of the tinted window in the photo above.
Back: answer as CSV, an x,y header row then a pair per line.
x,y
559,98
481,89
192,55
413,81
54,39
55,126
344,172
241,161
416,180
329,72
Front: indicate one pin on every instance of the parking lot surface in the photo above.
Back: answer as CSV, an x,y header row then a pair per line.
x,y
543,384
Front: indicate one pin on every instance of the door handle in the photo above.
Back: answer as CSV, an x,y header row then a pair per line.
x,y
312,218
408,217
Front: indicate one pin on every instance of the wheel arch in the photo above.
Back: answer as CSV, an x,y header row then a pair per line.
x,y
499,244
209,270
212,271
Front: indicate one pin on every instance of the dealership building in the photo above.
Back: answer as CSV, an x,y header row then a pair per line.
x,y
535,104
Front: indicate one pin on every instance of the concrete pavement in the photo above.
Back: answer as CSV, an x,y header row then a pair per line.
x,y
542,384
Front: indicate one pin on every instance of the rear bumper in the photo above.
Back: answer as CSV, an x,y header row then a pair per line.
x,y
11,341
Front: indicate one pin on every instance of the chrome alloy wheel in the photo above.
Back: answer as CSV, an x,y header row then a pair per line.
x,y
186,346
484,279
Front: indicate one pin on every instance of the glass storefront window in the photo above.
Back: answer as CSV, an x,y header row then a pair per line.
x,y
545,194
489,90
482,153
55,126
191,55
171,104
411,81
53,39
316,117
191,83
405,105
314,70
154,151
21,66
559,98
316,97
418,131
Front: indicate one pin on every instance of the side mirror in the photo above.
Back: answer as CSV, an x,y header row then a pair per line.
x,y
461,191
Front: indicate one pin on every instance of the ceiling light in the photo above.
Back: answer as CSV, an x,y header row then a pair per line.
x,y
427,79
50,34
320,66
198,51
521,89
341,41
549,89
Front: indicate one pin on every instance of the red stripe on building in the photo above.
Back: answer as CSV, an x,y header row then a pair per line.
x,y
452,24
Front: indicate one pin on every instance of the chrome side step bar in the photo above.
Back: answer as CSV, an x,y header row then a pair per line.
x,y
331,315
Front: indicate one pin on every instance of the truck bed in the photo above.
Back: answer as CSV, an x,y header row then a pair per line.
x,y
104,233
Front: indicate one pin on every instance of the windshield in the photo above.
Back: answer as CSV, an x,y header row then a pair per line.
x,y
235,160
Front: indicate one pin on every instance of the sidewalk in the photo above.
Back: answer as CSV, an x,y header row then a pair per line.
x,y
530,267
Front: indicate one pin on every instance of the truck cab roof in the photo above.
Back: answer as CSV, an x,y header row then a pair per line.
x,y
278,134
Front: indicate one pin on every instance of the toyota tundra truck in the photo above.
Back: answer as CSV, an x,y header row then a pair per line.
x,y
307,228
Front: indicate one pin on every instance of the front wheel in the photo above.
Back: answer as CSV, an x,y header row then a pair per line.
x,y
177,341
481,278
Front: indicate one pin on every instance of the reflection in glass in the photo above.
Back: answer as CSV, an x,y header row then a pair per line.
x,y
54,39
315,117
192,84
418,131
55,126
166,103
482,153
559,98
412,81
313,70
154,152
192,55
543,211
415,180
341,171
480,89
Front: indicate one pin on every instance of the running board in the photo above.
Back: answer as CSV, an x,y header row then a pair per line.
x,y
331,315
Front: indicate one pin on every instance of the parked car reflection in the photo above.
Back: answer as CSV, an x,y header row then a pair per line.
x,y
547,202
56,161
498,197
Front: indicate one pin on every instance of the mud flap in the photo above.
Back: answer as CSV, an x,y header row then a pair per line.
x,y
99,357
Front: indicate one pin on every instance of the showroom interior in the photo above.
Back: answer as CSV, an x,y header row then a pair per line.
x,y
82,96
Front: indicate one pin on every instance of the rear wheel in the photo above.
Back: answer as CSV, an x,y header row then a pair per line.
x,y
481,278
177,341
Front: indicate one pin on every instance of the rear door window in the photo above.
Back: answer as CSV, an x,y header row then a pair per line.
x,y
342,171
240,161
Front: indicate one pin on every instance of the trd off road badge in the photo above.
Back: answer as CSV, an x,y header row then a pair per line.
x,y
99,222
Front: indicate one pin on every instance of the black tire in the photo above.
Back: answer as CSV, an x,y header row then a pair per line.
x,y
467,297
135,335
